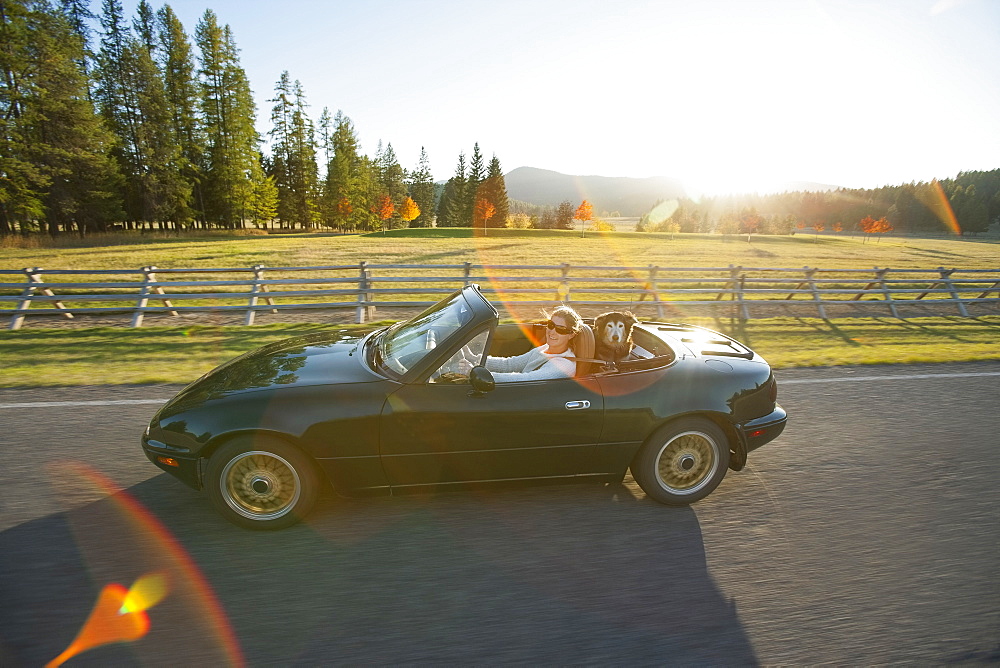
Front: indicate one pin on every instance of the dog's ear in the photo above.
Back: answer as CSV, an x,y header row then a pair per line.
x,y
630,317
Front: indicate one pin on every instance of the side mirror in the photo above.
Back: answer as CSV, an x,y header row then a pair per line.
x,y
481,380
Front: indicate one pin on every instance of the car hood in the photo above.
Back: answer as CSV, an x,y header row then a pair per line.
x,y
315,359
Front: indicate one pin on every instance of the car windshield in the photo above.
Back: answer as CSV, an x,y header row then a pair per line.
x,y
406,343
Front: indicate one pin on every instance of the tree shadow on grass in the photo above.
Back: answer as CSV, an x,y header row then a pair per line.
x,y
556,574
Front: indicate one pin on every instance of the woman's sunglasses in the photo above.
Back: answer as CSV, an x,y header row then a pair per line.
x,y
559,328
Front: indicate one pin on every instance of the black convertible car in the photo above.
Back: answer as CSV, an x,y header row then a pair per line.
x,y
387,413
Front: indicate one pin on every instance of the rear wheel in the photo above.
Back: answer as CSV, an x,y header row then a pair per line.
x,y
682,462
261,482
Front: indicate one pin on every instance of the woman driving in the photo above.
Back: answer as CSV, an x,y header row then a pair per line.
x,y
552,359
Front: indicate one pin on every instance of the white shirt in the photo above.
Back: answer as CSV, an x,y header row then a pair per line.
x,y
536,364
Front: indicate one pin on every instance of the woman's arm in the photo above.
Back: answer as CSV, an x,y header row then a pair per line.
x,y
510,364
555,367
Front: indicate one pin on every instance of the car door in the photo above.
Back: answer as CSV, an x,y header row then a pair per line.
x,y
434,433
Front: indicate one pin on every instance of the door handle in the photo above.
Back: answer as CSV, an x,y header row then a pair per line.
x,y
577,405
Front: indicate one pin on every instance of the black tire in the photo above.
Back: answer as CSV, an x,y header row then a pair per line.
x,y
261,482
682,462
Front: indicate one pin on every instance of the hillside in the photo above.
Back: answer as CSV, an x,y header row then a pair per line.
x,y
627,196
630,197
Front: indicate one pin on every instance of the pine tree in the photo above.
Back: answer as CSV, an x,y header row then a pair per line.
x,y
564,216
392,180
165,193
55,157
228,112
494,190
476,175
422,191
451,207
180,88
144,25
116,97
342,190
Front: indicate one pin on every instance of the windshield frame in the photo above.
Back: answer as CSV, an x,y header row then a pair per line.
x,y
403,349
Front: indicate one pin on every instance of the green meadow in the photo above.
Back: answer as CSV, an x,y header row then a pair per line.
x,y
35,356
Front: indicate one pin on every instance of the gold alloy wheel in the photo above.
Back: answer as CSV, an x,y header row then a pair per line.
x,y
260,485
686,462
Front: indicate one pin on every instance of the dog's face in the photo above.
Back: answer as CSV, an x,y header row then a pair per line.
x,y
615,328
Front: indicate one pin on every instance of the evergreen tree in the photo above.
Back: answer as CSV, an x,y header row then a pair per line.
x,y
342,190
180,88
564,216
116,97
392,179
228,112
298,195
80,18
494,190
144,25
55,157
421,189
476,175
164,193
451,207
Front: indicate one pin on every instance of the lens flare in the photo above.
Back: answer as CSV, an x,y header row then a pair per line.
x,y
935,199
119,615
663,211
145,593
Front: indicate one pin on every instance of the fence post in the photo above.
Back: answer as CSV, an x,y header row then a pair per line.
x,y
258,276
563,291
34,276
880,277
654,290
363,312
946,279
737,279
148,278
467,273
810,278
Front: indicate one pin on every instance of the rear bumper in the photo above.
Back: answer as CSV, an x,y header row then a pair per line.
x,y
762,430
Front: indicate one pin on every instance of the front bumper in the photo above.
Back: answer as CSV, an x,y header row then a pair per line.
x,y
762,430
184,468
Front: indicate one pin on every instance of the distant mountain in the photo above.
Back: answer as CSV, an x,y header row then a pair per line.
x,y
625,195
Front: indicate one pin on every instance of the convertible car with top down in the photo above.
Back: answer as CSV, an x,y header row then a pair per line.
x,y
267,432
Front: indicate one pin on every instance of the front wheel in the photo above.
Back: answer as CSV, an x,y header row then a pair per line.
x,y
682,462
260,482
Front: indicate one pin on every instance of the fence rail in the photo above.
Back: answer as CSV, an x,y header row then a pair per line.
x,y
364,287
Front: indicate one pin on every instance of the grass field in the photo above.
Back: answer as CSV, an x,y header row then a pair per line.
x,y
37,357
173,355
450,246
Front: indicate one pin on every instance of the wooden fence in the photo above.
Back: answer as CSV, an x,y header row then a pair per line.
x,y
364,287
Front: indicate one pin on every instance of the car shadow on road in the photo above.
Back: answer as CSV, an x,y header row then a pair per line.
x,y
554,574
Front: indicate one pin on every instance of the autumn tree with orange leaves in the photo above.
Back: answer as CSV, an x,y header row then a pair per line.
x,y
383,209
482,212
584,213
871,226
818,227
408,210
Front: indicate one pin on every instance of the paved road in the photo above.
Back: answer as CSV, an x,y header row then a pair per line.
x,y
868,533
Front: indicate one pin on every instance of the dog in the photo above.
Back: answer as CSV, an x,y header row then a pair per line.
x,y
613,332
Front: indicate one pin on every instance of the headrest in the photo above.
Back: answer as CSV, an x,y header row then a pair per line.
x,y
583,346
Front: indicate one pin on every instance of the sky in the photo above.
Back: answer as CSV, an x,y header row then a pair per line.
x,y
724,95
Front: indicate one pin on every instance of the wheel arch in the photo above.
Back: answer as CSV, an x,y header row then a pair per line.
x,y
737,449
220,440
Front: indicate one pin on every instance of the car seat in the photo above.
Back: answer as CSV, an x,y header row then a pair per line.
x,y
584,346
